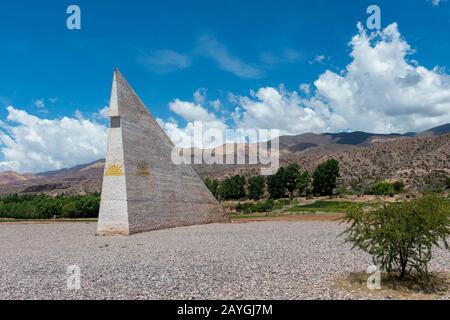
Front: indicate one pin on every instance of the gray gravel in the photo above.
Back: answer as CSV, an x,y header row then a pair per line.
x,y
270,260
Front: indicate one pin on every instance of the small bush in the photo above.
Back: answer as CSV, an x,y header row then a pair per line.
x,y
260,206
400,236
447,182
384,188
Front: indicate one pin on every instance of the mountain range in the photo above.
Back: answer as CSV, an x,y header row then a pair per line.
x,y
418,159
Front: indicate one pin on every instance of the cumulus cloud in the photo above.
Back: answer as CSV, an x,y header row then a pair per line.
x,y
102,114
271,108
31,144
381,90
194,113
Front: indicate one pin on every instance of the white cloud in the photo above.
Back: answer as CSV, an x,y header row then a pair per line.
x,y
200,96
381,91
305,88
216,104
271,108
40,105
102,114
32,144
215,50
286,56
165,61
436,3
318,59
192,112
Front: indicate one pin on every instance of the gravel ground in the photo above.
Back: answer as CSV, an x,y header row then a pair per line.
x,y
270,260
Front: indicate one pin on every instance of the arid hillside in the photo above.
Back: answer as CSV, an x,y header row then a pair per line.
x,y
420,160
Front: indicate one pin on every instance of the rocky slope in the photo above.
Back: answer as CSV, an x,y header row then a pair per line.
x,y
420,160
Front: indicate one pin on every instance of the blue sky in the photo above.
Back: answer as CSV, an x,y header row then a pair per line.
x,y
168,50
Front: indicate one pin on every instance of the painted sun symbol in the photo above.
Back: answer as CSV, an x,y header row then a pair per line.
x,y
142,169
114,170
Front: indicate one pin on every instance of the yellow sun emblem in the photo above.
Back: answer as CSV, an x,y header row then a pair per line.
x,y
114,170
142,169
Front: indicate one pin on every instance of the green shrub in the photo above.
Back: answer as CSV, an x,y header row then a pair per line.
x,y
69,210
260,206
447,182
400,236
383,188
264,206
399,186
213,186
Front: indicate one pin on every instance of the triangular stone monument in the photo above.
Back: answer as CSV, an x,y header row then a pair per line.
x,y
143,189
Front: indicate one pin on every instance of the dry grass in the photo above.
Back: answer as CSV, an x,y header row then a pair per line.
x,y
436,286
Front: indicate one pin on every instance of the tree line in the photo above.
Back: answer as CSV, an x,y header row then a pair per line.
x,y
47,207
287,182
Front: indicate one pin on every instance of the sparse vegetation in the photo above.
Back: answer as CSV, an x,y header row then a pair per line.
x,y
400,236
260,206
324,206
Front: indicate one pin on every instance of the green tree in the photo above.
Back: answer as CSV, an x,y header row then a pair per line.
x,y
49,208
304,183
256,187
276,185
213,186
325,178
400,236
69,210
291,176
88,206
232,188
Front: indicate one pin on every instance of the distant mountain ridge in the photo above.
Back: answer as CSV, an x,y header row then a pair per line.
x,y
362,155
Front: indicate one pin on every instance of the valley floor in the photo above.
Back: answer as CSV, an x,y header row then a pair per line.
x,y
255,260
